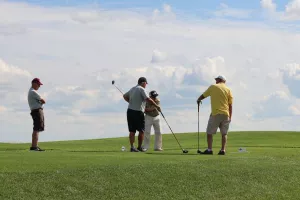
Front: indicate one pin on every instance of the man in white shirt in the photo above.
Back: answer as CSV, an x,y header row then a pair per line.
x,y
35,102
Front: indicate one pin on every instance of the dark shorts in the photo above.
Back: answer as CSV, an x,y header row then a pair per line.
x,y
38,119
135,121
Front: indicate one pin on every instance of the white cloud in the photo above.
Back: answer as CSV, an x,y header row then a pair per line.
x,y
275,105
3,109
158,56
206,72
13,82
295,110
86,17
162,15
11,73
268,5
291,77
226,11
292,10
167,8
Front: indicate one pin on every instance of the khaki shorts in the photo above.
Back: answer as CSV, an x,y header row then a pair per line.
x,y
218,121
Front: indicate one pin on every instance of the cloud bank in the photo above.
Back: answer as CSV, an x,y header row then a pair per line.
x,y
78,51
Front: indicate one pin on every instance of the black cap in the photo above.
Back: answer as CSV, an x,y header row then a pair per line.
x,y
142,79
153,93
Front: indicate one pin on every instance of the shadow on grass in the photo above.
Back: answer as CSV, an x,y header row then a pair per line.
x,y
277,147
171,154
12,149
93,151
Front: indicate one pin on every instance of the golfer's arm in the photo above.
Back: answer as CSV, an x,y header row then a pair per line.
x,y
230,111
126,98
153,102
43,101
201,98
149,109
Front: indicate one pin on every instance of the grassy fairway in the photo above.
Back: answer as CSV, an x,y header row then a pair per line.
x,y
97,169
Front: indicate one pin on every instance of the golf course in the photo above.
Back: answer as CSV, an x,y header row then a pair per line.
x,y
268,168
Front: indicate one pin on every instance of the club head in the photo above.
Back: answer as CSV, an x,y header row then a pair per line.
x,y
113,82
198,151
185,151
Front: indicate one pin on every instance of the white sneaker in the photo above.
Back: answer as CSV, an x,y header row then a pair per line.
x,y
159,149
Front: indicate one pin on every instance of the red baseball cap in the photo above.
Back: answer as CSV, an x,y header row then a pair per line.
x,y
37,80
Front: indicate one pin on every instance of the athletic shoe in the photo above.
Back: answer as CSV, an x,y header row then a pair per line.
x,y
141,149
221,152
133,149
207,152
159,149
36,149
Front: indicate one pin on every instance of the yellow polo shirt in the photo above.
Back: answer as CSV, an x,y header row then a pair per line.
x,y
220,98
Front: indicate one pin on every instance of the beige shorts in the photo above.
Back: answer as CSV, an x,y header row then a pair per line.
x,y
218,121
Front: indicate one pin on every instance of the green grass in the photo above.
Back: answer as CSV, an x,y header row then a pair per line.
x,y
97,169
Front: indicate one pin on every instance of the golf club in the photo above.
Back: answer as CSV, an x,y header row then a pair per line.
x,y
198,151
113,83
183,150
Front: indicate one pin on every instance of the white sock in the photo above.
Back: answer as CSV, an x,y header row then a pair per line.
x,y
208,149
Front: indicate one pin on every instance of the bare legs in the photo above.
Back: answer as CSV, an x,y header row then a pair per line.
x,y
35,138
210,141
224,141
140,138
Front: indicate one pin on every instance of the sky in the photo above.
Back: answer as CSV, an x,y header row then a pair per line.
x,y
78,47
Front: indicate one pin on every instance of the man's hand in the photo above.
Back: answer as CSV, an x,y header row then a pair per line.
x,y
199,102
158,109
126,98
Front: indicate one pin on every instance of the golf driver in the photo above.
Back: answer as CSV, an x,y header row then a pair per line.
x,y
183,150
198,151
113,83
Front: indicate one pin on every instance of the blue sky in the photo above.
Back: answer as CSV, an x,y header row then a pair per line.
x,y
78,48
192,9
189,5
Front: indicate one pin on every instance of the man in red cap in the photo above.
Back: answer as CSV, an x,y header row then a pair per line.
x,y
35,102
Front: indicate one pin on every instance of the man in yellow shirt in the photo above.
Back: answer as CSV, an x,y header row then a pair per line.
x,y
221,112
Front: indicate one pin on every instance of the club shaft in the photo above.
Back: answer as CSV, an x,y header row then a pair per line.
x,y
198,126
171,131
118,89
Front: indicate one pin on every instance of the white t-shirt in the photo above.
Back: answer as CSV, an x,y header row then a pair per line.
x,y
34,99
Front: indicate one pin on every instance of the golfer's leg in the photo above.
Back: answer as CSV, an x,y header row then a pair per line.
x,y
131,127
224,141
157,131
141,128
35,138
131,138
224,127
209,141
37,123
140,139
148,124
211,129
